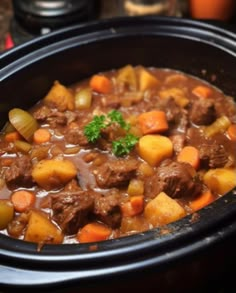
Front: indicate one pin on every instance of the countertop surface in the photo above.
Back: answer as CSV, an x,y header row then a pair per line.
x,y
108,9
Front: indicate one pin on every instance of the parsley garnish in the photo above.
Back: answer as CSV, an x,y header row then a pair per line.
x,y
124,145
93,130
116,116
121,146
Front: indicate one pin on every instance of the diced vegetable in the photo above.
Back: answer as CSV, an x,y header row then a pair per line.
x,y
23,200
163,210
133,224
127,76
61,97
220,180
41,135
6,212
22,146
189,154
83,99
220,125
153,122
147,80
23,122
100,84
41,230
133,207
202,91
136,187
177,94
93,232
53,173
201,201
12,136
231,131
154,148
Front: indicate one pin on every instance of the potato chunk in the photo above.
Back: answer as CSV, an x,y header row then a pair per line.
x,y
147,80
154,148
53,173
220,180
163,210
6,212
60,97
41,230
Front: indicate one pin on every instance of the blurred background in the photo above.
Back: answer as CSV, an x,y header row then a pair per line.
x,y
21,20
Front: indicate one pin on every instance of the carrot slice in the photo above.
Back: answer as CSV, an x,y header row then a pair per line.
x,y
133,207
231,131
189,154
203,200
202,91
41,135
153,122
100,84
93,232
12,136
22,200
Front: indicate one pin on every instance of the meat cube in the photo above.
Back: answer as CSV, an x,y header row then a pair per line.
x,y
108,210
202,112
19,173
213,155
72,209
115,173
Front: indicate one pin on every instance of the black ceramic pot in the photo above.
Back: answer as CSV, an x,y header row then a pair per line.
x,y
195,254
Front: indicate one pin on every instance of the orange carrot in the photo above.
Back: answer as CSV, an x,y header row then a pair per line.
x,y
153,122
101,84
133,207
231,131
41,135
93,232
189,154
202,91
12,136
22,200
201,201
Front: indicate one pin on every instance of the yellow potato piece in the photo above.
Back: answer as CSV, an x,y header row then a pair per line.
x,y
220,180
179,95
41,230
163,210
53,173
154,148
147,80
61,97
127,76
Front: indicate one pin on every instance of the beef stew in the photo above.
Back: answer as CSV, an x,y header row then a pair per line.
x,y
116,154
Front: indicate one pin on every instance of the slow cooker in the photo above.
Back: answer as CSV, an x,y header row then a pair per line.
x,y
195,253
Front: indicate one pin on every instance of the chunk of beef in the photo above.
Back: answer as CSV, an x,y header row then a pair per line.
x,y
202,112
177,117
176,179
57,118
107,209
19,173
115,173
42,113
16,227
213,155
71,210
76,136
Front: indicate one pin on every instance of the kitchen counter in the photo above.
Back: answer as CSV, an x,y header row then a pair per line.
x,y
107,9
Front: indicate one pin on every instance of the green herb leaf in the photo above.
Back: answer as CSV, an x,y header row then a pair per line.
x,y
93,129
124,145
116,116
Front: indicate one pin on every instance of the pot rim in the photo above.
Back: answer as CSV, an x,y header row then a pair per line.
x,y
123,254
